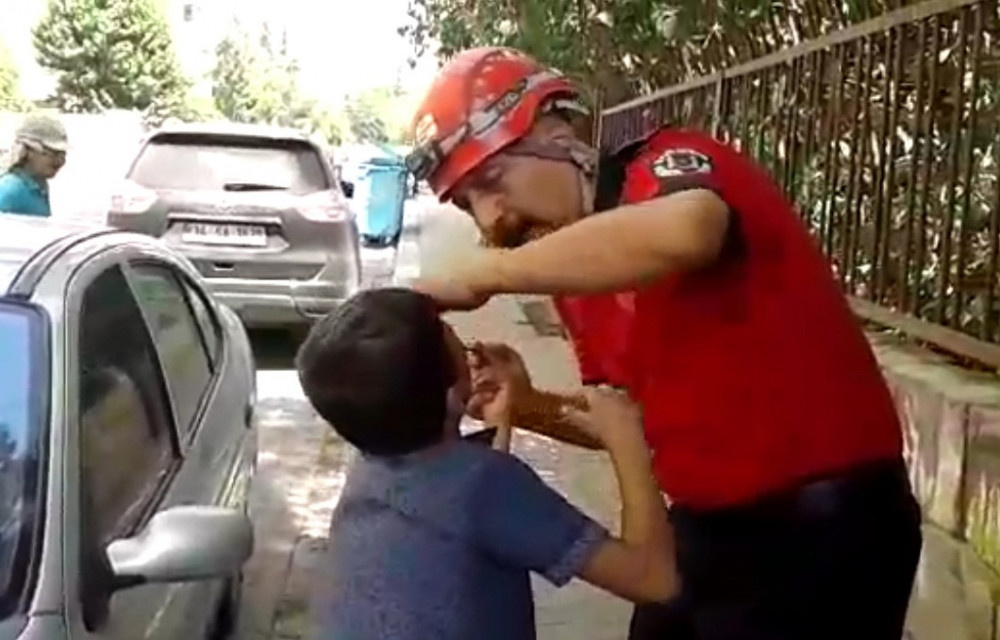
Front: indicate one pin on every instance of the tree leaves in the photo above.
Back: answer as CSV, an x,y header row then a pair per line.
x,y
256,81
627,47
10,87
233,88
110,54
379,115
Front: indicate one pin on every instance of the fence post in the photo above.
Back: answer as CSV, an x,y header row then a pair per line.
x,y
597,119
717,106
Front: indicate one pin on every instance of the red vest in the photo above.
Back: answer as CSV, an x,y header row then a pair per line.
x,y
753,374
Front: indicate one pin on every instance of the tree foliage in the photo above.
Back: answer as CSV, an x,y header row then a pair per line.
x,y
379,114
232,80
10,85
110,54
255,80
627,47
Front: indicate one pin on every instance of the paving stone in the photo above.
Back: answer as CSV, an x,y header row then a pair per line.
x,y
955,596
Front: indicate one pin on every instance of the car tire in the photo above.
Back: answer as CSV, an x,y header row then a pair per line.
x,y
224,623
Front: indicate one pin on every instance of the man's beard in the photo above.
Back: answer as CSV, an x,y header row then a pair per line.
x,y
511,232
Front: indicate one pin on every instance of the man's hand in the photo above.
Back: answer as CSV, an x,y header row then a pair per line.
x,y
499,381
467,286
495,366
451,294
610,417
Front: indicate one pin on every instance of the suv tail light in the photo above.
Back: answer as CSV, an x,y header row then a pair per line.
x,y
324,206
132,198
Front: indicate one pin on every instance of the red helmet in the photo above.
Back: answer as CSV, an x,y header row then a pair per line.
x,y
481,101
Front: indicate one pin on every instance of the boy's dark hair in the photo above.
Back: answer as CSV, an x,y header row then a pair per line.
x,y
378,370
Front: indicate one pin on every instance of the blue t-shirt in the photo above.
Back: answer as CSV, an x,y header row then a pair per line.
x,y
21,193
439,545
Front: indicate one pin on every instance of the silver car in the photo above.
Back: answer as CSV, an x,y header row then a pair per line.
x,y
258,210
127,443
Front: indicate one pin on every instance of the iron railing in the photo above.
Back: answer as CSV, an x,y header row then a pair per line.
x,y
887,136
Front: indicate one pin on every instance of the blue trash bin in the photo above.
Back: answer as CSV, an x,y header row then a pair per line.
x,y
379,194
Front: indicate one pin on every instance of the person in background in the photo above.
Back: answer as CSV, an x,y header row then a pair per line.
x,y
684,275
434,536
37,155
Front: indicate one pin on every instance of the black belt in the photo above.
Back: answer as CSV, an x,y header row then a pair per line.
x,y
872,480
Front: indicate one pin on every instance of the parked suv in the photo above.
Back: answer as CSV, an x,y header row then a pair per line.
x,y
257,209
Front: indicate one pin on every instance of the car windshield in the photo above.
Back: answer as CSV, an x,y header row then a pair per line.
x,y
23,410
230,164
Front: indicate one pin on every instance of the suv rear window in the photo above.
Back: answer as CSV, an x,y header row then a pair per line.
x,y
198,162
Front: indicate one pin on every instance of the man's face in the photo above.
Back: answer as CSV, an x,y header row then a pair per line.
x,y
525,197
44,162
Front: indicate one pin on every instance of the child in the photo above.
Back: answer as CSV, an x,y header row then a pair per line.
x,y
434,536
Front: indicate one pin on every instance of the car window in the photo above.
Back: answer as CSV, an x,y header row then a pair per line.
x,y
126,434
125,420
23,412
216,164
208,323
177,337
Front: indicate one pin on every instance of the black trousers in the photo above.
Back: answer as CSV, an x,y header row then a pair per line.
x,y
832,559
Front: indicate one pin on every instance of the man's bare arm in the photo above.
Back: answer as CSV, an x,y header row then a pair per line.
x,y
621,249
541,412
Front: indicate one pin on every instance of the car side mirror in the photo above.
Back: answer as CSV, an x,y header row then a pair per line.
x,y
347,188
184,544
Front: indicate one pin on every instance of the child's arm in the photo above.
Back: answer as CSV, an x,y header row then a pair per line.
x,y
501,441
641,565
497,408
523,522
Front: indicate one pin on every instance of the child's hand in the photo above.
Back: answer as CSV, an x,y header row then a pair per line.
x,y
492,398
611,417
493,404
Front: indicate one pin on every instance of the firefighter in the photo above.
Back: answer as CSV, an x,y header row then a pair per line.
x,y
684,276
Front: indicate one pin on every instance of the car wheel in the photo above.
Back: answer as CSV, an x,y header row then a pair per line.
x,y
223,626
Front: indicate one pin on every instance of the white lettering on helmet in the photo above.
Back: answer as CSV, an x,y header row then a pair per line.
x,y
426,130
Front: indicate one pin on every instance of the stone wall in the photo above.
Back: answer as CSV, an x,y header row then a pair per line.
x,y
951,428
951,423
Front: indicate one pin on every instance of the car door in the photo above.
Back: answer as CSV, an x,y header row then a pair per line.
x,y
126,455
150,364
210,383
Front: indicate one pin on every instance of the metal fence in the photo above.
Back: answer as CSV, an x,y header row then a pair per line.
x,y
887,136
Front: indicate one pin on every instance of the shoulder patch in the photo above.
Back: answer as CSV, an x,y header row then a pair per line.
x,y
680,162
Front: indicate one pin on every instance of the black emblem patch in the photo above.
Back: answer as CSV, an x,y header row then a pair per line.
x,y
681,162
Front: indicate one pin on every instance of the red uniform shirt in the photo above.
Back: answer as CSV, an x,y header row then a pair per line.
x,y
753,373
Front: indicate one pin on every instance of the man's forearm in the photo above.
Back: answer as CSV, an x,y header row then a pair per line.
x,y
541,413
627,247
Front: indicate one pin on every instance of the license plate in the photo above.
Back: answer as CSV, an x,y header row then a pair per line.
x,y
240,235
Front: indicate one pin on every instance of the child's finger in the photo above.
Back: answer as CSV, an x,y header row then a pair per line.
x,y
485,382
474,356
